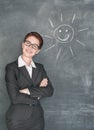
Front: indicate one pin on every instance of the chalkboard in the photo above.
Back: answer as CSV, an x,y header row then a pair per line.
x,y
67,27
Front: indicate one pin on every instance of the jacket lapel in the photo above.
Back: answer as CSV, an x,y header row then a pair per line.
x,y
34,74
25,73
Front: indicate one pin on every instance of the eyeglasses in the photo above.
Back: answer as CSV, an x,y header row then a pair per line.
x,y
34,46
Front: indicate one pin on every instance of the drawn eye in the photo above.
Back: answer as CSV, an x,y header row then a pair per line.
x,y
64,33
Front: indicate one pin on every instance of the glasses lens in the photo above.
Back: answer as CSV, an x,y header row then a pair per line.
x,y
27,43
34,46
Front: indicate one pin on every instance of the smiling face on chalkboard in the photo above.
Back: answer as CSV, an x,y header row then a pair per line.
x,y
64,33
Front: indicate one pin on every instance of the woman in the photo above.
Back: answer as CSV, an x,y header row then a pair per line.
x,y
27,83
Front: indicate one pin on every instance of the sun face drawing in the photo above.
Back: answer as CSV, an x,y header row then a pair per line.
x,y
64,34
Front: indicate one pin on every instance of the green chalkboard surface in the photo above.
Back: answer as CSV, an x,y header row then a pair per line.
x,y
67,27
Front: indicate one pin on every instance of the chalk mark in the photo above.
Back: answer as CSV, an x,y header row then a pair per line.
x,y
49,48
73,18
71,51
81,43
61,17
51,23
82,29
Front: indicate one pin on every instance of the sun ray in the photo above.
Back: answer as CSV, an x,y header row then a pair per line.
x,y
82,29
58,54
71,51
47,36
51,23
61,17
49,48
81,43
73,18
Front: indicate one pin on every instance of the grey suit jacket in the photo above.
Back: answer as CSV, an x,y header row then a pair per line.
x,y
18,78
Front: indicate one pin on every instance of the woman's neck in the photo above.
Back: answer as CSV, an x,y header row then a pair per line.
x,y
27,60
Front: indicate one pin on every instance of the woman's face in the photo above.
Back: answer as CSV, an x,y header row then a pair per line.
x,y
30,47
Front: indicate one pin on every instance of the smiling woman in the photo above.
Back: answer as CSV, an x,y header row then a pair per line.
x,y
27,83
30,48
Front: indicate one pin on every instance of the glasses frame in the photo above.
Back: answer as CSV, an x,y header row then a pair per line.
x,y
29,44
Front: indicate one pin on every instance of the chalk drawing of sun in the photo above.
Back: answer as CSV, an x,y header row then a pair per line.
x,y
63,34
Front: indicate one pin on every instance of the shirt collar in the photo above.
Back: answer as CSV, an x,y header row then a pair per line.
x,y
21,63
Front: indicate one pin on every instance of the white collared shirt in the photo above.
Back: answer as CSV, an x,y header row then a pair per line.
x,y
21,63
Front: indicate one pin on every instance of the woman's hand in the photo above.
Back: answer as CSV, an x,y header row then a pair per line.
x,y
25,91
44,82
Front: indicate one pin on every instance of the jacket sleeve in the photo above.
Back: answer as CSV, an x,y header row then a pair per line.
x,y
40,92
13,89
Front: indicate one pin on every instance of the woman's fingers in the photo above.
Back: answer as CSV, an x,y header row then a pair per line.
x,y
25,91
44,82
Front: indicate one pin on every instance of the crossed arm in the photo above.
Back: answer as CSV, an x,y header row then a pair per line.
x,y
43,83
26,95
